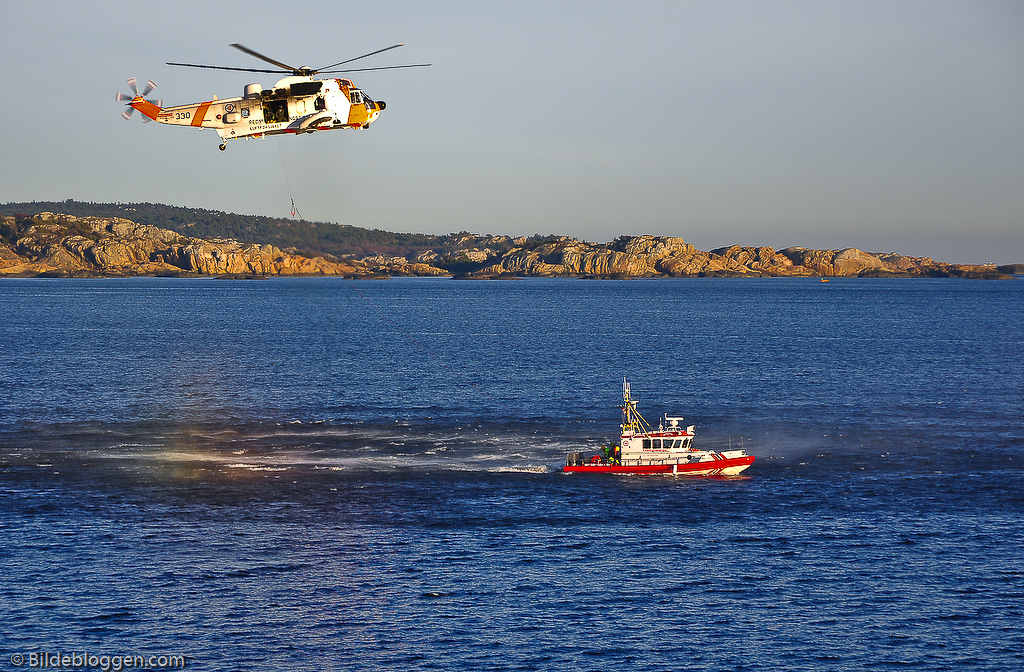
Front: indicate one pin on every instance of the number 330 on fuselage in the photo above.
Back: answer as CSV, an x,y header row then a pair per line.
x,y
298,103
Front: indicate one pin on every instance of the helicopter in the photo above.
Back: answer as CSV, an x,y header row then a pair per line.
x,y
298,103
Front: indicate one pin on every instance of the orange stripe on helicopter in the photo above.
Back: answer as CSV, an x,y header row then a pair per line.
x,y
200,116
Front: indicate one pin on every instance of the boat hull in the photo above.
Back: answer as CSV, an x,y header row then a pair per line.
x,y
722,467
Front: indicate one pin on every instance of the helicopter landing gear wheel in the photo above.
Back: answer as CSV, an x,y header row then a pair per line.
x,y
223,146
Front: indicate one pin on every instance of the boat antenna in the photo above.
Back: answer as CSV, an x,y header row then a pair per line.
x,y
631,418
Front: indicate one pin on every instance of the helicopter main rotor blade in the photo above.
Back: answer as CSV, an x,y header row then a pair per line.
x,y
334,65
264,58
224,67
386,67
285,68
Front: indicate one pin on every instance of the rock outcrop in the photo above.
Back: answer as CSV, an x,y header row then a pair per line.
x,y
652,256
63,245
850,261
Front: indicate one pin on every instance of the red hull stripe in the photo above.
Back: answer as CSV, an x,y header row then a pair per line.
x,y
714,467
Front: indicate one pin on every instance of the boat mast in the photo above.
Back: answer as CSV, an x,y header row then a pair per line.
x,y
632,421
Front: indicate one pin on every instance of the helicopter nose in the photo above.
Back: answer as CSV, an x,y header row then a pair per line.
x,y
381,104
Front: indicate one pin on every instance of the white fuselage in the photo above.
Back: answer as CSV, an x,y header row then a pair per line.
x,y
297,104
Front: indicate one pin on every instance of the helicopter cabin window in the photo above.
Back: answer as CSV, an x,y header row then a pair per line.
x,y
275,111
319,104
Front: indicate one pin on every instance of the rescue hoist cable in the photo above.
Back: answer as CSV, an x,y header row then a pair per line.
x,y
295,211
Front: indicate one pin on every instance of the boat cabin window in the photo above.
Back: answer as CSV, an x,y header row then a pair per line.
x,y
647,444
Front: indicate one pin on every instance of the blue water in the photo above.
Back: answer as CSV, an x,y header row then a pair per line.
x,y
319,474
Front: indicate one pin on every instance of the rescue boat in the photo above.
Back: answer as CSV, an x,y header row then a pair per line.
x,y
668,449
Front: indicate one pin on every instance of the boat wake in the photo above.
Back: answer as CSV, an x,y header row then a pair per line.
x,y
211,450
287,446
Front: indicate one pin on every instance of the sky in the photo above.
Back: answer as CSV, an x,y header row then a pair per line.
x,y
885,126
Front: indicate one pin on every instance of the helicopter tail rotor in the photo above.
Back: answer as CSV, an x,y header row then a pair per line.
x,y
138,101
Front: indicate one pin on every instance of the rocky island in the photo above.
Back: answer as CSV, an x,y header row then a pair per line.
x,y
50,244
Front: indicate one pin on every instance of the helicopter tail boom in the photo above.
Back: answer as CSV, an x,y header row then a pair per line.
x,y
148,109
193,114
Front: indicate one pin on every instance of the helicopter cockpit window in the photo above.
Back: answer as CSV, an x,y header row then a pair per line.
x,y
355,97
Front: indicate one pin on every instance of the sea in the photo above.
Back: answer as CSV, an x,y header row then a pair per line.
x,y
328,474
